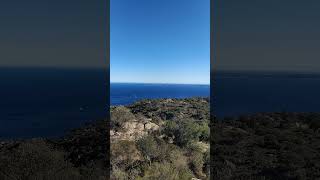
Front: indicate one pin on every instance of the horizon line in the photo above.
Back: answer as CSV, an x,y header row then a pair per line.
x,y
164,83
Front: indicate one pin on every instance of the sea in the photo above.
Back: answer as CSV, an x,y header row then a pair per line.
x,y
241,93
128,93
48,102
40,102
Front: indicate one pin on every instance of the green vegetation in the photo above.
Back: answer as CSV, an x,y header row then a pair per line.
x,y
267,146
81,155
38,160
178,150
152,139
169,139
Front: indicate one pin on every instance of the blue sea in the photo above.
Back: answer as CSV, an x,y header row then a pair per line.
x,y
237,93
50,102
46,102
128,93
43,102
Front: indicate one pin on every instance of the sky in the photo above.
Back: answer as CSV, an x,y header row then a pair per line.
x,y
271,35
53,33
160,41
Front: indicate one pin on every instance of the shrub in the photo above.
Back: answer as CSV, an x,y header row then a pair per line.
x,y
164,150
186,131
118,174
36,160
149,147
120,115
165,171
124,153
178,159
170,128
205,132
196,163
207,163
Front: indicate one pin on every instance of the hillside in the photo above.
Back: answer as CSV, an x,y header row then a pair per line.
x,y
151,139
267,146
169,139
161,139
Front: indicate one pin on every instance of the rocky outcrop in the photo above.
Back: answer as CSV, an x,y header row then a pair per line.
x,y
147,116
133,130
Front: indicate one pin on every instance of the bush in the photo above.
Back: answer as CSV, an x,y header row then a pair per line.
x,y
164,150
186,131
166,171
124,153
170,128
120,115
35,160
178,159
196,163
205,132
118,174
207,163
149,147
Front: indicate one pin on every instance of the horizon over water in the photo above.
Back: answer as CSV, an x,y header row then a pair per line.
x,y
164,83
41,102
128,93
48,102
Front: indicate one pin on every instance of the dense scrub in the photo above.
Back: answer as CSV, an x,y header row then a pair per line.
x,y
267,146
179,149
81,155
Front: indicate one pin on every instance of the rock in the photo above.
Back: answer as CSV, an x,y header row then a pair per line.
x,y
148,126
151,126
129,125
111,133
140,127
155,127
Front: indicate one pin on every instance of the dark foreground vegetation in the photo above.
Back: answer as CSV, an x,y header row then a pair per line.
x,y
165,139
280,146
81,155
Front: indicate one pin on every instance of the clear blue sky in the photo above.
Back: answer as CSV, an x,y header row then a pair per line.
x,y
160,41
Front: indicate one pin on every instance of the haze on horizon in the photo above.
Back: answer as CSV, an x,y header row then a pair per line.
x,y
165,41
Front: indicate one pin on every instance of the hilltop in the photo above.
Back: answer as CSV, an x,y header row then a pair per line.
x,y
161,139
